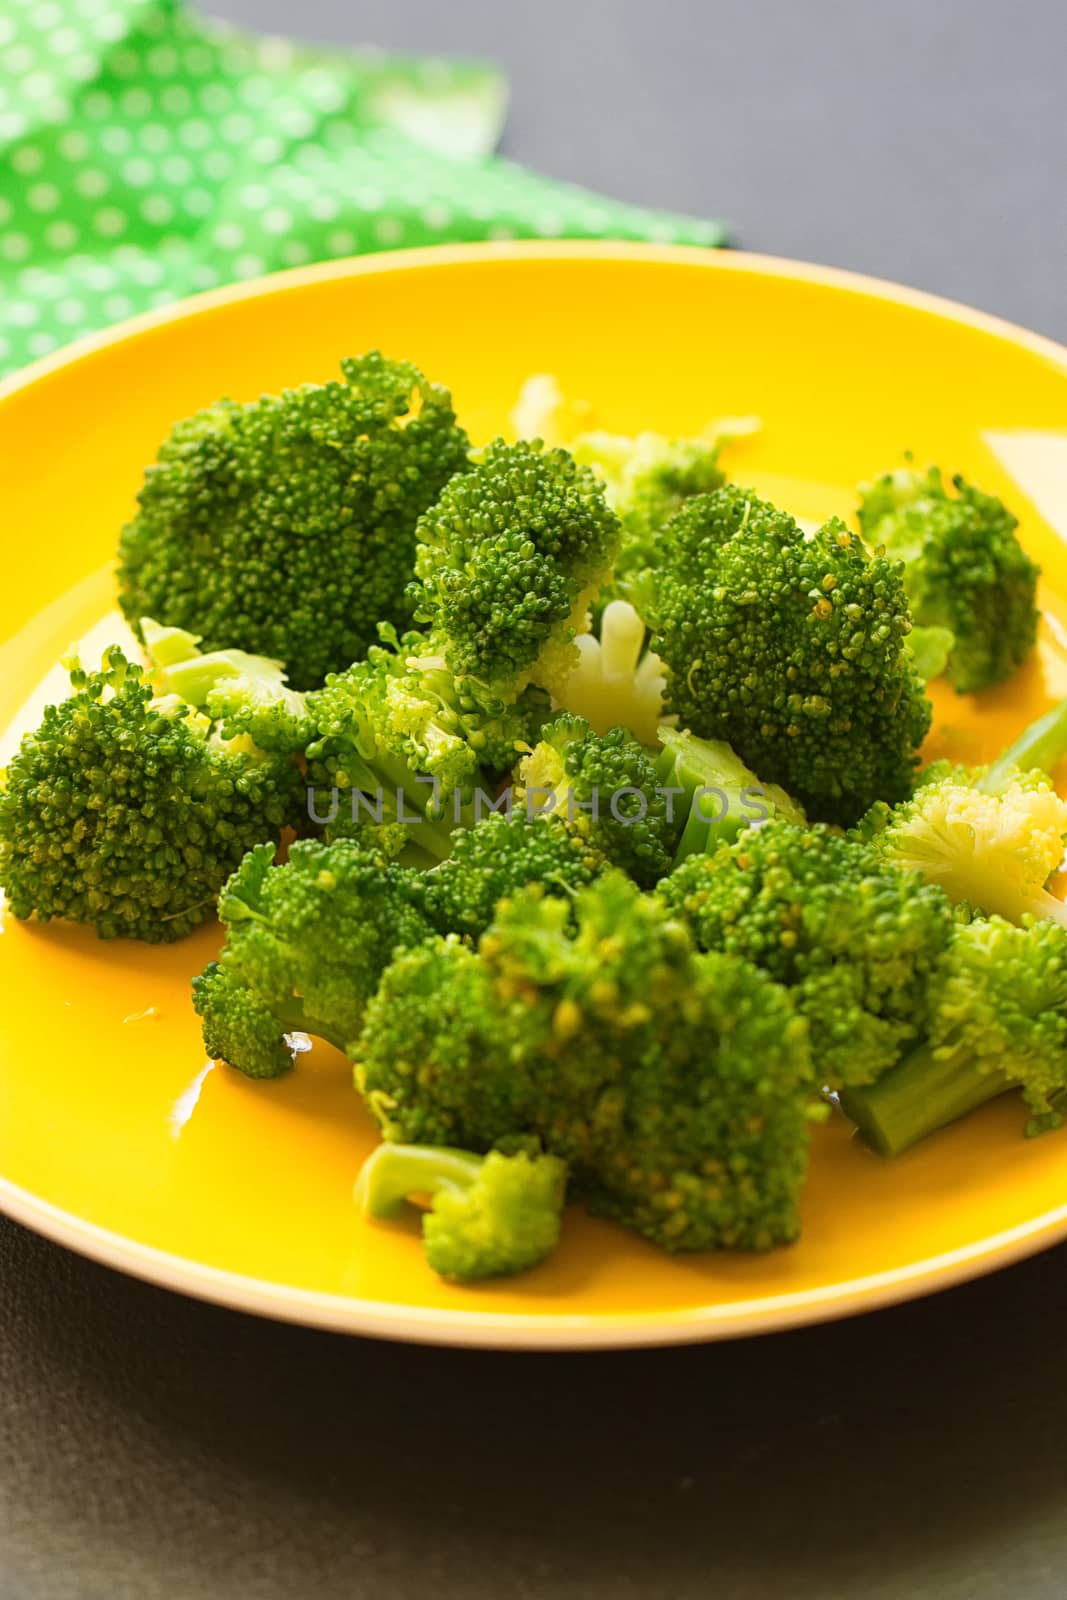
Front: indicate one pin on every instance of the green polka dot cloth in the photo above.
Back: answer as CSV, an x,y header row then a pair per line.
x,y
146,154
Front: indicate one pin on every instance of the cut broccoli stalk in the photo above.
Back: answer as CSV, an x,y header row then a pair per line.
x,y
925,1092
248,695
1041,747
716,793
930,649
489,1215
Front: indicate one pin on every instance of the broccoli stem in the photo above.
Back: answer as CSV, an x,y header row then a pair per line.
x,y
925,1092
1042,745
395,1171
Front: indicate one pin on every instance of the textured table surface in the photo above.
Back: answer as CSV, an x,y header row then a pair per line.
x,y
153,1447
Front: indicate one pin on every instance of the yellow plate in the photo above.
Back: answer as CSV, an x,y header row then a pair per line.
x,y
118,1141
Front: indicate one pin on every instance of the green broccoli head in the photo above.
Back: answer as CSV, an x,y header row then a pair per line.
x,y
129,813
792,649
998,1020
489,1215
677,1086
508,562
605,789
964,571
855,941
286,526
995,851
498,857
306,942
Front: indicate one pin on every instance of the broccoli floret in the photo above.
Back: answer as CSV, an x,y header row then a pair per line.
x,y
286,526
855,942
129,813
715,793
998,1020
507,564
604,788
306,943
489,1215
791,649
965,572
677,1086
498,857
245,694
617,683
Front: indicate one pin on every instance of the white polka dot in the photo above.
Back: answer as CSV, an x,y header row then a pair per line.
x,y
338,135
145,270
229,235
500,230
111,26
215,98
12,125
42,197
204,275
92,183
323,207
19,59
64,41
136,102
176,169
341,242
23,313
138,171
218,165
115,140
198,60
27,160
74,145
295,253
48,15
118,305
388,230
124,63
267,149
323,89
249,266
436,215
236,127
196,133
161,297
157,209
297,121
255,196
70,312
256,91
198,202
370,199
81,68
38,85
155,137
99,276
275,53
163,61
41,344
55,109
110,222
61,235
277,220
7,30
176,99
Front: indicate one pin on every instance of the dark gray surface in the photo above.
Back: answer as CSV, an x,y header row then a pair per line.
x,y
152,1447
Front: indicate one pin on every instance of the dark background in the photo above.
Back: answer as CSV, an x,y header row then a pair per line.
x,y
153,1447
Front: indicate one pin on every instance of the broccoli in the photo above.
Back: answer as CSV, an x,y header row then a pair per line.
x,y
677,1086
498,857
306,943
719,795
604,788
964,571
128,812
854,941
617,683
245,694
508,562
489,1215
998,1020
989,836
286,526
791,649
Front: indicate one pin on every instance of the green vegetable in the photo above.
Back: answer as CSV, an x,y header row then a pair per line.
x,y
497,858
306,943
128,812
714,792
792,649
855,941
998,1020
677,1086
508,562
490,1215
964,571
245,694
286,526
604,789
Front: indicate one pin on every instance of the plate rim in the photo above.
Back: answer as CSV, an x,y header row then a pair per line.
x,y
522,1330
